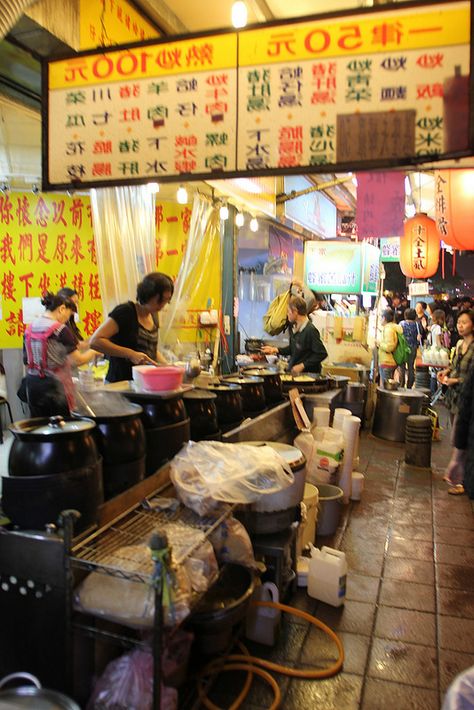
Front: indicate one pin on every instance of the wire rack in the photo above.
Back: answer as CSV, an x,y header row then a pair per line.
x,y
106,550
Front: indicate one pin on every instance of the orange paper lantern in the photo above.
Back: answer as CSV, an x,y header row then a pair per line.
x,y
419,248
454,199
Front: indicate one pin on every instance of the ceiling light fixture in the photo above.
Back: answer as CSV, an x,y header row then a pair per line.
x,y
153,187
239,14
181,195
254,224
224,212
239,219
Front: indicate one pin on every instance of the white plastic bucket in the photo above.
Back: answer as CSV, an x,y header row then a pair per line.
x,y
307,528
357,485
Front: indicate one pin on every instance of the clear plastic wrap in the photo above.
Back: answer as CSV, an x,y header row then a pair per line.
x,y
207,472
127,684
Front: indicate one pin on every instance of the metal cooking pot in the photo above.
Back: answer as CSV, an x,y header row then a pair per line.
x,y
32,696
355,392
158,409
271,382
119,431
338,381
201,407
228,403
253,393
51,445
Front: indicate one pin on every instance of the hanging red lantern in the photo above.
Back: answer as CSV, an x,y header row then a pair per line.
x,y
419,248
454,200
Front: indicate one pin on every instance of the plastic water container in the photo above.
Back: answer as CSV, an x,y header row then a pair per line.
x,y
339,415
327,575
263,623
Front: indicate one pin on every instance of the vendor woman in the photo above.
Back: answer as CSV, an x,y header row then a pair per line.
x,y
129,336
49,351
306,350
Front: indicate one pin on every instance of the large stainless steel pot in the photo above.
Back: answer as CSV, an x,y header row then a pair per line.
x,y
392,410
32,696
46,446
275,512
355,392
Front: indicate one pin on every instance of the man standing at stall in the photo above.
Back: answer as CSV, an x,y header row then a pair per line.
x,y
305,349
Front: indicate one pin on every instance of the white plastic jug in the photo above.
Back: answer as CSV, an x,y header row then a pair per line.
x,y
327,575
263,623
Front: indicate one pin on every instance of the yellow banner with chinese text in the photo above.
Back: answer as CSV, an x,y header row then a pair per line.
x,y
194,55
46,243
106,22
172,228
414,28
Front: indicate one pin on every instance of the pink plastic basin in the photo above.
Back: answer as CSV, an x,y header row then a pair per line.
x,y
160,379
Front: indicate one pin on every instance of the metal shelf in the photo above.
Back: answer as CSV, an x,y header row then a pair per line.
x,y
104,550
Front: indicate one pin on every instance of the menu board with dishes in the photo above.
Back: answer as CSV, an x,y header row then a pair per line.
x,y
367,89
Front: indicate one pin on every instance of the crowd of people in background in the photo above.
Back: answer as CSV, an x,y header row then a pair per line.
x,y
447,324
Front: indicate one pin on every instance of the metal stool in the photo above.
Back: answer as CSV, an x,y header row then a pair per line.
x,y
4,401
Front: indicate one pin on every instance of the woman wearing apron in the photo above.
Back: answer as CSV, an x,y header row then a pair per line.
x,y
49,351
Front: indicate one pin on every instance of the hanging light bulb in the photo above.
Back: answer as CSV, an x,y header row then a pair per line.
x,y
181,195
224,212
239,14
254,224
239,219
153,187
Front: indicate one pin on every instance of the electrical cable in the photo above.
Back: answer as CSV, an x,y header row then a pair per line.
x,y
255,665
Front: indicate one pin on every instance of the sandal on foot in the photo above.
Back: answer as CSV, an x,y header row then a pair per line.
x,y
457,490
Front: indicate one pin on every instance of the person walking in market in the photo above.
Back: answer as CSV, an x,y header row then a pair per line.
x,y
386,346
413,338
305,349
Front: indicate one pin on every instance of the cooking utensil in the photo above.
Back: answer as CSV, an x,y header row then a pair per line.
x,y
32,696
51,445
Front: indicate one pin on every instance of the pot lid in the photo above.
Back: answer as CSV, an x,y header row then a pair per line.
x,y
401,392
261,372
37,698
199,394
291,454
232,387
51,426
250,380
104,405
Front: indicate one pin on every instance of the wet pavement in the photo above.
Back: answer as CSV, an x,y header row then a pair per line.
x,y
408,621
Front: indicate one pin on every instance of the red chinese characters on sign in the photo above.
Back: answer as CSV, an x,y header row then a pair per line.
x,y
76,250
6,209
79,285
41,213
26,279
15,323
6,253
94,288
8,287
91,321
23,211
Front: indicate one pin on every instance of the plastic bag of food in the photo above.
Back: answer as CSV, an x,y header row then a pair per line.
x,y
231,543
130,602
207,472
127,683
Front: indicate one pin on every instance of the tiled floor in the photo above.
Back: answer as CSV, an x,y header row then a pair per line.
x,y
408,622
